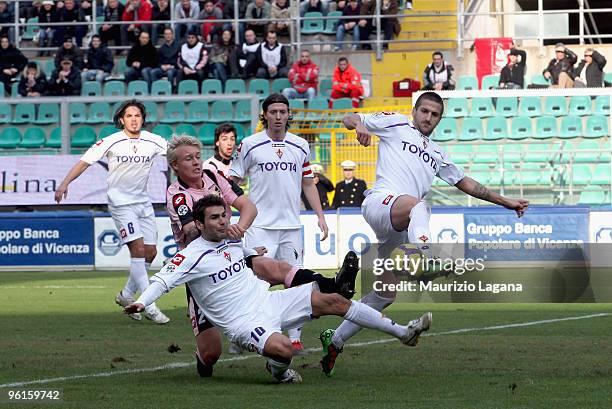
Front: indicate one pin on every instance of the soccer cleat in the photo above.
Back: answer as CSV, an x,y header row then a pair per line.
x,y
234,349
205,371
345,278
124,302
298,348
415,328
154,314
290,375
330,352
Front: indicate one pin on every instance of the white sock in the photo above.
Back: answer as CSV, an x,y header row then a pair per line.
x,y
347,329
138,273
295,334
368,317
278,369
418,229
130,288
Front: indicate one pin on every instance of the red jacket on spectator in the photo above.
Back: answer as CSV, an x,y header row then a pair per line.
x,y
144,12
347,80
304,76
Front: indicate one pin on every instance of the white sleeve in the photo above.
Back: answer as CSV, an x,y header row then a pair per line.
x,y
239,165
448,171
383,121
173,274
163,148
306,168
96,151
249,252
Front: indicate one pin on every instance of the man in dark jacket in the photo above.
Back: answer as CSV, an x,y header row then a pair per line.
x,y
513,74
589,72
71,13
99,62
141,59
161,17
33,82
168,55
65,81
349,192
561,68
7,17
271,58
12,62
70,51
324,186
112,13
46,35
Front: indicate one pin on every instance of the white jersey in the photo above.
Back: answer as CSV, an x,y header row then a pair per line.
x,y
275,170
129,164
225,288
407,160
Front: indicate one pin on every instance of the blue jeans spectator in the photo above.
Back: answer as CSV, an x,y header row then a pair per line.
x,y
132,74
219,71
292,93
340,36
157,73
94,75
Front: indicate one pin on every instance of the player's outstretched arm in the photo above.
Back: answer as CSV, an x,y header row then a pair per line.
x,y
248,212
475,189
353,121
62,190
312,195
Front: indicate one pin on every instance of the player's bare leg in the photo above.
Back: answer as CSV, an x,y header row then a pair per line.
x,y
208,351
279,351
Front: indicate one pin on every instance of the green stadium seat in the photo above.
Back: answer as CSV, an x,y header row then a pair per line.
x,y
511,153
106,131
571,127
55,138
460,154
260,87
490,81
342,103
331,23
546,127
186,129
456,108
601,175
212,86
121,67
33,138
49,67
594,196
91,89
446,130
174,112
161,87
539,79
10,138
165,131
507,107
537,152
48,114
325,87
197,112
581,174
293,105
497,128
83,137
608,77
137,88
482,177
5,113
99,113
319,104
467,82
151,108
533,174
188,87
485,153
482,108
31,31
583,155
312,23
243,110
25,113
471,130
279,84
77,112
114,89
221,111
521,128
580,105
530,106
206,134
602,105
235,86
240,134
596,126
15,90
555,106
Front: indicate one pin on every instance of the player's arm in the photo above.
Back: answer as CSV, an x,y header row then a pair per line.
x,y
353,122
62,190
312,195
248,212
191,232
268,269
475,189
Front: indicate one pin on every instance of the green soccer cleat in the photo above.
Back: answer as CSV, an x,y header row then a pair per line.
x,y
330,352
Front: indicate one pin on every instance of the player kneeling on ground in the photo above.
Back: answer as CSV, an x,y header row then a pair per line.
x,y
220,274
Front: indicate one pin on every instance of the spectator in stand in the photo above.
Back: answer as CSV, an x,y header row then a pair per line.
x,y
246,55
161,15
70,51
210,31
439,75
348,24
271,58
65,81
168,56
46,33
141,60
390,25
99,61
304,77
280,14
512,76
589,72
113,12
7,17
28,9
349,192
258,10
12,62
560,69
368,7
227,6
346,83
221,57
136,10
307,6
70,12
33,82
192,60
323,184
186,10
336,5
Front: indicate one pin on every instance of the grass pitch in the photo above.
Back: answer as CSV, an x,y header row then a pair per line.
x,y
66,325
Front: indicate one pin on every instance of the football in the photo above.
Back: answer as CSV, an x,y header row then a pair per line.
x,y
408,260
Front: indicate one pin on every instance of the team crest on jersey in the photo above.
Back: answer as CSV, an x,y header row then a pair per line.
x,y
182,210
123,233
134,148
387,200
424,238
279,153
227,256
177,259
179,200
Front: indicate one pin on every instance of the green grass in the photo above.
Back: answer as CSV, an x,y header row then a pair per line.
x,y
62,324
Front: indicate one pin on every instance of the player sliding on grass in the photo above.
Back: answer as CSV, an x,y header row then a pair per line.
x,y
220,275
407,163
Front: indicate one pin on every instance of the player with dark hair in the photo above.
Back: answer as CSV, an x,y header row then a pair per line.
x,y
224,144
130,153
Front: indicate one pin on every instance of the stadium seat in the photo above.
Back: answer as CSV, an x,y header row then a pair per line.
x,y
460,154
342,103
331,23
594,196
24,113
165,131
197,112
507,107
91,89
482,108
546,127
537,152
5,113
114,89
188,87
312,23
532,174
602,105
471,130
325,87
174,112
319,104
539,79
48,113
240,134
137,88
490,81
49,67
581,174
221,111
106,131
596,126
467,82
446,130
260,87
511,153
583,155
456,108
497,128
485,153
212,86
530,106
601,174
99,113
235,86
55,138
521,128
608,77
206,135
77,112
10,138
293,105
33,138
571,127
482,177
83,137
120,67
31,31
186,129
151,108
580,105
243,110
161,87
555,106
279,84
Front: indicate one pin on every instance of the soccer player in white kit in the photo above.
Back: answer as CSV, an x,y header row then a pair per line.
x,y
408,160
277,163
220,273
130,153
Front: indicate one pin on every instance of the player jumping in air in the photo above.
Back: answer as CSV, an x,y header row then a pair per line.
x,y
220,270
130,153
408,160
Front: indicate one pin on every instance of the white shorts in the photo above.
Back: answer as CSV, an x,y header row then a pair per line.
x,y
282,245
376,210
282,310
135,221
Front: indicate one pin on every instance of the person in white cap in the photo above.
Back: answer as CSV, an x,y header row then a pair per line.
x,y
349,192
